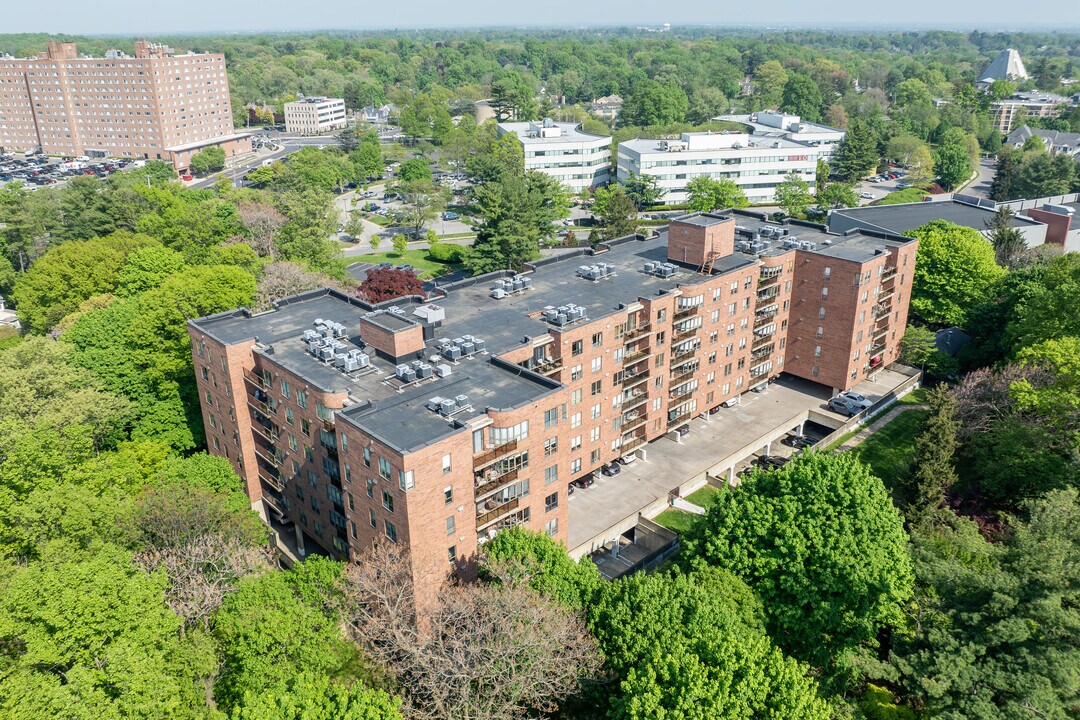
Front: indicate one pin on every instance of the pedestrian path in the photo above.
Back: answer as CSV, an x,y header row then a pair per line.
x,y
868,430
683,504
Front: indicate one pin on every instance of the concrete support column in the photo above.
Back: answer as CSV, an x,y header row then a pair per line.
x,y
731,476
766,449
300,549
799,430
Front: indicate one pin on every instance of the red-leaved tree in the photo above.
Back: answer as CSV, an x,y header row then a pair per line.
x,y
388,284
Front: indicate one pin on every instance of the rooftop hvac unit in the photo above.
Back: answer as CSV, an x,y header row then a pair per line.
x,y
401,370
666,270
498,293
339,347
442,342
310,335
326,353
340,330
340,359
423,370
500,284
808,245
459,340
409,375
551,314
526,283
742,246
479,344
650,266
461,400
362,359
758,246
452,352
447,407
561,319
326,331
318,321
396,310
434,403
349,364
443,370
467,348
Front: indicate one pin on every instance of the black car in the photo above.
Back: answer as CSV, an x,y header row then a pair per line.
x,y
798,441
769,462
584,482
611,469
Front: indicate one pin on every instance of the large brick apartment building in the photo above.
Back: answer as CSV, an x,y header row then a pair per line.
x,y
437,421
153,106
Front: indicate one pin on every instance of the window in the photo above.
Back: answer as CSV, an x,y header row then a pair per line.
x,y
575,442
575,372
551,446
450,525
731,308
575,466
595,410
551,527
820,331
384,468
370,488
597,363
305,426
285,389
597,339
551,474
388,501
406,480
576,347
301,398
367,457
371,514
448,495
575,420
446,464
817,351
551,417
575,397
594,436
451,555
596,388
824,293
828,272
315,503
821,313
551,502
289,416
391,531
353,529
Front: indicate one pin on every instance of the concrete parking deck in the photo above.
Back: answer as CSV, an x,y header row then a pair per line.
x,y
713,448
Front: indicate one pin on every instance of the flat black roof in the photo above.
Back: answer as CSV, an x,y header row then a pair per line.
x,y
853,246
908,216
389,321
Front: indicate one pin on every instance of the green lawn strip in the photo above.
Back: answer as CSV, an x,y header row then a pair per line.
x,y
457,236
898,197
890,448
380,220
678,520
703,496
418,258
915,397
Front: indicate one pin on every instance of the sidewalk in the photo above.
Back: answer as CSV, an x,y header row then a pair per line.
x,y
868,430
682,504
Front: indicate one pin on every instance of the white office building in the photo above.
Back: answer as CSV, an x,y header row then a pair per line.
x,y
773,124
562,150
315,115
757,165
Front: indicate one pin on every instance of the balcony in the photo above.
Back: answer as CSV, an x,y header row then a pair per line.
x,y
763,314
483,519
771,273
685,370
877,349
679,399
759,370
272,480
632,444
635,334
331,450
267,430
768,294
490,456
763,351
886,295
765,330
679,417
273,503
683,313
257,380
761,342
685,351
634,401
880,333
634,379
262,402
684,335
491,484
635,357
889,274
882,309
634,423
548,366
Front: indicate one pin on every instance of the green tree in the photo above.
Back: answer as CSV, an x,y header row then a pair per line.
x,y
147,268
802,97
618,215
423,200
312,697
837,194
414,169
367,161
705,194
518,555
821,544
653,103
400,243
512,96
208,161
933,472
918,348
793,195
519,212
1008,241
951,160
89,635
644,190
954,270
374,241
770,79
857,154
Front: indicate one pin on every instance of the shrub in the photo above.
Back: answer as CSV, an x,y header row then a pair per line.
x,y
447,253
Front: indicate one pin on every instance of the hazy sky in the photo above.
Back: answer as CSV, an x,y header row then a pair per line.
x,y
126,17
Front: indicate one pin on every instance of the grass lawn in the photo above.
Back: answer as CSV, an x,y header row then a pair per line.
x,y
703,496
915,397
897,197
678,520
380,220
889,450
418,258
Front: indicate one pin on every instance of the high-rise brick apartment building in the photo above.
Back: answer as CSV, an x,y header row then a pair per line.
x,y
154,106
437,421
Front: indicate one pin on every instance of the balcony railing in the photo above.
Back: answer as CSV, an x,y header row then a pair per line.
x,y
766,312
767,294
760,342
769,273
635,333
637,400
489,456
886,295
684,335
634,379
765,330
267,431
763,351
684,371
268,456
686,312
485,518
492,484
261,405
257,380
272,480
882,309
889,274
759,370
877,349
680,417
685,352
632,444
272,502
679,399
881,332
635,357
635,423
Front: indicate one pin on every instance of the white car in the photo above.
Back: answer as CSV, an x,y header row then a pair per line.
x,y
866,196
856,398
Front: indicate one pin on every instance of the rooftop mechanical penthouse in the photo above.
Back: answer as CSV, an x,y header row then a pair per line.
x,y
436,422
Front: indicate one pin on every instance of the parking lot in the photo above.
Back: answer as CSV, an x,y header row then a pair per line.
x,y
37,171
719,447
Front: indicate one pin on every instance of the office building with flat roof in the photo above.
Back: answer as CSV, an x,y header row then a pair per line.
x,y
756,165
771,123
315,115
155,105
575,158
437,421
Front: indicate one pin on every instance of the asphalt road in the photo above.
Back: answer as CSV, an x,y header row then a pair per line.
x,y
981,186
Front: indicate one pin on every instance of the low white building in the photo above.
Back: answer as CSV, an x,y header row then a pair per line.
x,y
769,124
757,165
577,159
315,115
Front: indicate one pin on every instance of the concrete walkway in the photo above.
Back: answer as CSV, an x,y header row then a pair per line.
x,y
868,430
683,504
